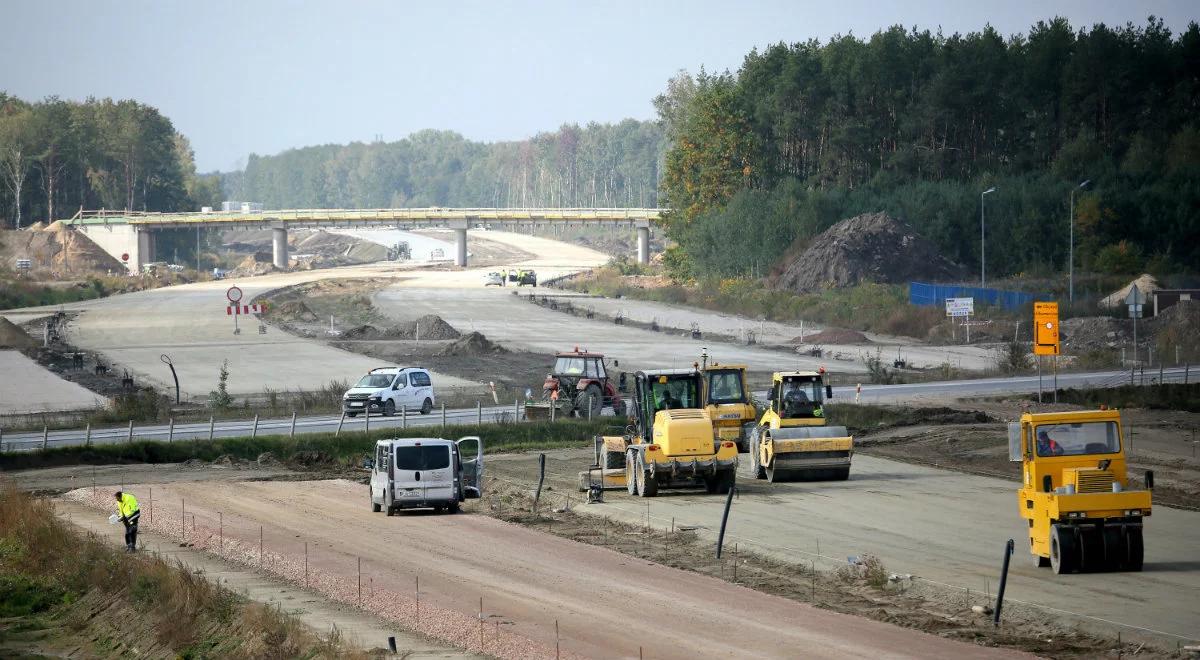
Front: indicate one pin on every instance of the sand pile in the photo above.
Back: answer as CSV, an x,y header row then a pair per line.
x,y
429,327
871,247
1145,282
473,344
37,226
12,336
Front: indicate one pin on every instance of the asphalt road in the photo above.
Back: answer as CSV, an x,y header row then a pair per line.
x,y
916,393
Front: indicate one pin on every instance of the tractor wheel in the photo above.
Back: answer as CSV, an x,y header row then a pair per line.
x,y
1064,550
1135,550
618,406
743,444
756,468
631,466
389,408
589,398
426,406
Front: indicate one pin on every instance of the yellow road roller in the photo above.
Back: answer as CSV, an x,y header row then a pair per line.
x,y
1083,514
792,442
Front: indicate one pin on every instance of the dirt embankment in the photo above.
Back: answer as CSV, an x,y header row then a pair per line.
x,y
871,247
56,251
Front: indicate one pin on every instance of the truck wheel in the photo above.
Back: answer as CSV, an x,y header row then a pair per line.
x,y
1064,551
755,467
1114,548
389,408
1133,544
376,508
631,465
391,512
426,406
1091,550
352,414
453,507
590,397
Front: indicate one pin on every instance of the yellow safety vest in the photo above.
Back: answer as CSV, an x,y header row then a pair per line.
x,y
127,506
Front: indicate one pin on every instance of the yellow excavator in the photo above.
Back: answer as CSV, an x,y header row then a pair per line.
x,y
1083,513
792,442
670,443
727,400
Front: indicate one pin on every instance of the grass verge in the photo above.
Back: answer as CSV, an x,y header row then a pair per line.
x,y
313,448
62,591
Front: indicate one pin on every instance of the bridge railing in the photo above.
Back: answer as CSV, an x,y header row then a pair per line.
x,y
397,214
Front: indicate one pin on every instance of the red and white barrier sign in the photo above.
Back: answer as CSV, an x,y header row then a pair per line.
x,y
239,310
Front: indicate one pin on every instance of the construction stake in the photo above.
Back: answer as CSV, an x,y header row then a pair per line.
x,y
130,438
88,436
212,425
293,434
171,430
254,431
339,428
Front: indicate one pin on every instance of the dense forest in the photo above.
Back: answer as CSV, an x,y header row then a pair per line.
x,y
919,124
599,165
58,156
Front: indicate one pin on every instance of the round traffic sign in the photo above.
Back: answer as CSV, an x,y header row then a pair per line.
x,y
234,294
124,256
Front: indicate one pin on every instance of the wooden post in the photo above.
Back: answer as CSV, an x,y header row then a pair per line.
x,y
293,424
254,431
171,430
130,438
45,436
340,421
211,427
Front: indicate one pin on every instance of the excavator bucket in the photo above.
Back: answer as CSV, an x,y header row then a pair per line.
x,y
815,453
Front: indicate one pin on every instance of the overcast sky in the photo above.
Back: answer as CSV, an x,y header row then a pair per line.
x,y
246,76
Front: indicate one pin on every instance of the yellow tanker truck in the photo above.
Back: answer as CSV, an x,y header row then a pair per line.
x,y
1082,512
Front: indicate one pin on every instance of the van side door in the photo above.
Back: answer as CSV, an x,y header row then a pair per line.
x,y
401,392
470,449
421,386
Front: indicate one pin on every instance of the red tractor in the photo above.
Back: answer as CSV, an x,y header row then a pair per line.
x,y
580,381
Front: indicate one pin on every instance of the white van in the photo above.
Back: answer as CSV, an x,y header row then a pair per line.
x,y
387,390
412,473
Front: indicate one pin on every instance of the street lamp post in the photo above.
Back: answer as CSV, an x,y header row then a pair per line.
x,y
1071,249
983,241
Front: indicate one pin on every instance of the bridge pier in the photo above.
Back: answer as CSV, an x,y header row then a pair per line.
x,y
279,247
643,240
146,244
460,247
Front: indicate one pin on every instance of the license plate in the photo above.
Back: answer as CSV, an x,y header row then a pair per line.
x,y
356,404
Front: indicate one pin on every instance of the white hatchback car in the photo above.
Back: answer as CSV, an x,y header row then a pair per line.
x,y
387,390
493,279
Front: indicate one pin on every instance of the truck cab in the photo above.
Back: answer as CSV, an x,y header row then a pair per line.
x,y
1081,511
411,473
728,403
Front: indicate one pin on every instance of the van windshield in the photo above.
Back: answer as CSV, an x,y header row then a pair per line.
x,y
375,380
423,457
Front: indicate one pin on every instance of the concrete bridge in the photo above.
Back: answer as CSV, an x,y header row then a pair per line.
x,y
132,233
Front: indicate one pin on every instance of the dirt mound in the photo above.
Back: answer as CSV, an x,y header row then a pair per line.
x,y
259,263
57,225
431,326
12,336
363,332
60,250
1145,282
473,344
267,458
310,457
1095,333
871,247
294,310
37,226
834,336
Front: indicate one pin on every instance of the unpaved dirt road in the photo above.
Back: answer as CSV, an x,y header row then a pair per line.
x,y
606,604
939,525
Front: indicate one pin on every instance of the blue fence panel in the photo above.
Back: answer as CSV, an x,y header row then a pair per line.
x,y
920,293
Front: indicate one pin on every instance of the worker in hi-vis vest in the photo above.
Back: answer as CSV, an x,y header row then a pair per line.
x,y
127,509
